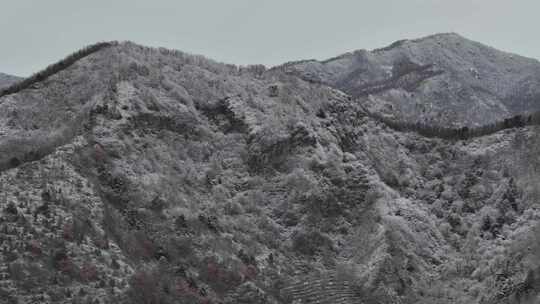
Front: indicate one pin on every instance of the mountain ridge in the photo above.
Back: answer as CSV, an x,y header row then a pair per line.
x,y
432,80
422,127
145,175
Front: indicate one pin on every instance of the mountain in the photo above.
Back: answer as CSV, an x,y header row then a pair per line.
x,y
6,80
444,79
131,174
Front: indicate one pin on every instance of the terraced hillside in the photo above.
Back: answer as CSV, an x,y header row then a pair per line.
x,y
324,290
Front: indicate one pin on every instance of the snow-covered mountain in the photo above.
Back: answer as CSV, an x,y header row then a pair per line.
x,y
444,79
138,175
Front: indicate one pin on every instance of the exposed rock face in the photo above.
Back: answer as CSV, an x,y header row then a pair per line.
x,y
6,80
441,79
140,175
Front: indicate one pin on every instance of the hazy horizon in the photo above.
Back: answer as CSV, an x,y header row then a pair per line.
x,y
242,32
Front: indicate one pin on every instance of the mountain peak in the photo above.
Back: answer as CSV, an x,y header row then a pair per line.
x,y
440,37
436,79
447,35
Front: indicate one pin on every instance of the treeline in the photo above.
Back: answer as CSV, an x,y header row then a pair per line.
x,y
415,73
55,68
391,46
463,133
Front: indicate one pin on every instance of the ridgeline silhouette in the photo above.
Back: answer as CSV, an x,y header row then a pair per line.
x,y
55,68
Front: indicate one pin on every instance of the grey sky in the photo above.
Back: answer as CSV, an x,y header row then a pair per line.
x,y
36,33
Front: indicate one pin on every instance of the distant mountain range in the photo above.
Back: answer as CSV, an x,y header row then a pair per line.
x,y
442,79
6,80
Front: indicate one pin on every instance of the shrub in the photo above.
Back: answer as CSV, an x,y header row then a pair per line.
x,y
144,288
157,204
180,222
140,246
14,162
222,277
310,243
211,222
101,241
75,230
248,272
89,272
246,258
34,247
186,289
63,263
11,209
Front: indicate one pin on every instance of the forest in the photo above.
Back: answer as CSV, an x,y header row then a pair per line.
x,y
434,131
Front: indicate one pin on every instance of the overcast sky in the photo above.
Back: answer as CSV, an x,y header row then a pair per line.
x,y
36,33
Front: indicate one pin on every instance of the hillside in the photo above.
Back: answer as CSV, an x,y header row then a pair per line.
x,y
141,175
444,79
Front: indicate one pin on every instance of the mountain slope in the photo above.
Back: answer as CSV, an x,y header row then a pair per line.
x,y
140,175
443,79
